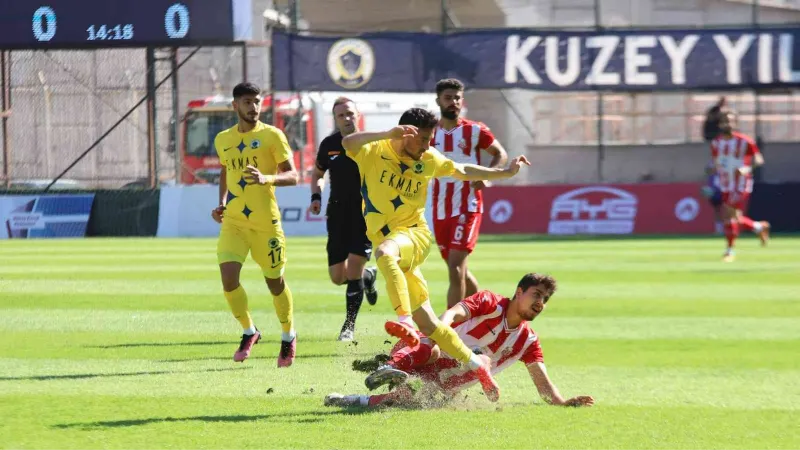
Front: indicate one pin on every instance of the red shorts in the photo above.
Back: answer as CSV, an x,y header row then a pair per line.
x,y
736,200
457,233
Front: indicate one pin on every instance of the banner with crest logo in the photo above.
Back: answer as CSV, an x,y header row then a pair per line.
x,y
623,60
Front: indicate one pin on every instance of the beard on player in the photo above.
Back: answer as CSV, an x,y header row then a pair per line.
x,y
250,117
248,108
450,113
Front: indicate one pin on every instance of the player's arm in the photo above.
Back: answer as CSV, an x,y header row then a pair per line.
x,y
758,159
317,184
458,313
499,154
317,180
354,142
499,158
549,392
472,172
320,167
223,187
286,176
217,212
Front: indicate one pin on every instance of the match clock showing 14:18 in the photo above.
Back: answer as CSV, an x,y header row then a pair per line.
x,y
64,24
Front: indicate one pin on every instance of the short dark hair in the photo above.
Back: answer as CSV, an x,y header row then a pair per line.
x,y
340,101
246,88
535,279
448,83
420,118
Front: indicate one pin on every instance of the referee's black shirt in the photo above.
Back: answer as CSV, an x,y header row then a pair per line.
x,y
345,180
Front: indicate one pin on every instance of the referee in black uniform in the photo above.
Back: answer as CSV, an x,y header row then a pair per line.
x,y
348,246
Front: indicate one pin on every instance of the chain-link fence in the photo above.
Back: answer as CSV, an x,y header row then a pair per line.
x,y
63,101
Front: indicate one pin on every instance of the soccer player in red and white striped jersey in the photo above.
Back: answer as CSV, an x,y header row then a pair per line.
x,y
495,325
735,155
458,205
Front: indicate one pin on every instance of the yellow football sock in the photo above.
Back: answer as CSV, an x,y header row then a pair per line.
x,y
237,300
449,341
283,309
396,284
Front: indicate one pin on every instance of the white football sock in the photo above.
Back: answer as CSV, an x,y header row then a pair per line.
x,y
406,320
475,362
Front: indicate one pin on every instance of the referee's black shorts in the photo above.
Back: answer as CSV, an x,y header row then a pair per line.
x,y
347,232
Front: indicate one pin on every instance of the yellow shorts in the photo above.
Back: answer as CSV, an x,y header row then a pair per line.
x,y
268,248
415,246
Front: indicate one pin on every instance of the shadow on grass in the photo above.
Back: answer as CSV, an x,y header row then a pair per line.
x,y
85,376
299,356
161,344
234,342
513,237
293,417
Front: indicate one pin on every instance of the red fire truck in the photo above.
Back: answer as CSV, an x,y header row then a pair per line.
x,y
306,119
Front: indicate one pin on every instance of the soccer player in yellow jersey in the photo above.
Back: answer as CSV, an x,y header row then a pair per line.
x,y
256,158
396,167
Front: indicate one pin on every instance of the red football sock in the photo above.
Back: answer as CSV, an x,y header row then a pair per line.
x,y
409,358
731,231
746,223
375,400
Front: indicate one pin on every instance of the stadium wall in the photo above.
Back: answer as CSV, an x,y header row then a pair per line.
x,y
644,208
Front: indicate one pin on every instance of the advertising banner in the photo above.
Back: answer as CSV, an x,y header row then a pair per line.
x,y
612,60
44,216
598,209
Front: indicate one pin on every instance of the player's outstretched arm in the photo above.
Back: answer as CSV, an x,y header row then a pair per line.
x,y
354,142
549,392
472,172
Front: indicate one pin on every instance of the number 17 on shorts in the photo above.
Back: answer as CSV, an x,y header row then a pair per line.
x,y
268,249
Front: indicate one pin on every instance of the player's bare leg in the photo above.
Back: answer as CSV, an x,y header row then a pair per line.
x,y
760,228
282,299
472,284
763,235
457,271
237,300
731,231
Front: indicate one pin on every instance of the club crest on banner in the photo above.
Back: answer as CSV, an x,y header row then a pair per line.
x,y
351,63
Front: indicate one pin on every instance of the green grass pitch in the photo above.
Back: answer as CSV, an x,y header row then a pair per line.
x,y
128,343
